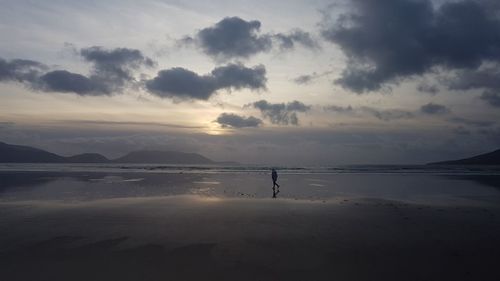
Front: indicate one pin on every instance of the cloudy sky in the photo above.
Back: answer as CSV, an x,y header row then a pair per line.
x,y
271,82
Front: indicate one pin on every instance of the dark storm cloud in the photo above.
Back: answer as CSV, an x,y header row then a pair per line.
x,y
233,37
485,78
230,120
434,109
181,83
390,40
281,113
20,70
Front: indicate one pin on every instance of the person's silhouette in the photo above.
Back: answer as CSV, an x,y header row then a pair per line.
x,y
274,176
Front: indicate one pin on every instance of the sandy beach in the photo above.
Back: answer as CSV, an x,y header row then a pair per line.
x,y
195,235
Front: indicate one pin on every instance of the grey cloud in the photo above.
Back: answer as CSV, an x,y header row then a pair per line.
x,y
297,106
65,82
288,41
381,114
388,114
181,83
491,98
237,76
308,78
434,109
471,122
233,37
304,79
339,109
428,88
128,124
116,62
230,120
20,70
281,113
112,70
390,40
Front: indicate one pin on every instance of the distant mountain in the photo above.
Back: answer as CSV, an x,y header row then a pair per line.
x,y
163,157
10,153
87,158
491,158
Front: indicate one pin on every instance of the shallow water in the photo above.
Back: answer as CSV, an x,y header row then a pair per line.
x,y
417,188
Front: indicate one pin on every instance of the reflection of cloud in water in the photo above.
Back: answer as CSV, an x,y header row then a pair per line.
x,y
207,182
133,180
317,180
108,179
116,179
316,184
202,191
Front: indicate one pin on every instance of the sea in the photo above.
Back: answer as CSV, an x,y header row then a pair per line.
x,y
429,184
221,169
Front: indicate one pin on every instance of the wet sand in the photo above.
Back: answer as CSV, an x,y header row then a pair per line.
x,y
200,237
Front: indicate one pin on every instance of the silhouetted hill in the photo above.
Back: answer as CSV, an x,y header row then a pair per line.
x,y
491,158
10,153
163,157
24,154
87,158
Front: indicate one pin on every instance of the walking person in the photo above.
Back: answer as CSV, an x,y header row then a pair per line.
x,y
274,176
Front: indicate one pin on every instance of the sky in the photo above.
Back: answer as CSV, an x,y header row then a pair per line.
x,y
265,82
